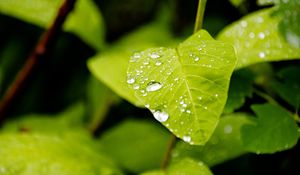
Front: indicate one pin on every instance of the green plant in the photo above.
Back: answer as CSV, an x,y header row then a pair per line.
x,y
218,98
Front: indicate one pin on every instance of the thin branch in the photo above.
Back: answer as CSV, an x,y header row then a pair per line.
x,y
42,48
200,15
167,155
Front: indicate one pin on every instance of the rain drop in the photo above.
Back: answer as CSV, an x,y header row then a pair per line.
x,y
244,23
153,86
187,138
261,35
158,63
136,87
160,116
130,81
227,129
154,55
147,105
262,55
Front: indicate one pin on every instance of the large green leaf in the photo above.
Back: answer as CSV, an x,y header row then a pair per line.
x,y
288,85
70,119
85,21
136,145
185,166
110,67
274,130
67,154
256,38
185,88
225,144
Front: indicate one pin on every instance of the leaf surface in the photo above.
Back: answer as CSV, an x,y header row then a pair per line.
x,y
185,88
110,67
186,166
85,20
273,130
136,145
67,154
225,144
256,38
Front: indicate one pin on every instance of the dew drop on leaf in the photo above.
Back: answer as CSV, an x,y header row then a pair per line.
x,y
187,138
153,86
154,55
160,116
130,80
227,129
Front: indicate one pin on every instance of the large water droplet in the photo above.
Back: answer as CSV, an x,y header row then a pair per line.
x,y
130,80
153,86
187,138
160,116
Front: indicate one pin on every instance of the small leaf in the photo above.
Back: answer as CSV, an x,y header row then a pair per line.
x,y
256,39
274,130
67,154
110,67
85,20
225,143
136,145
288,85
185,88
185,166
240,88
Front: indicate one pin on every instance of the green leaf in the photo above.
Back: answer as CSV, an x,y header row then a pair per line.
x,y
225,143
240,88
70,119
185,88
256,39
85,20
136,145
274,130
236,3
267,2
110,67
186,166
99,99
288,85
68,154
289,26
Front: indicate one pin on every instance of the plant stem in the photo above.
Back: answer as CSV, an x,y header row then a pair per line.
x,y
167,155
200,15
47,41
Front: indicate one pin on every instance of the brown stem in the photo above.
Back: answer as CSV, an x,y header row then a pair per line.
x,y
42,48
167,155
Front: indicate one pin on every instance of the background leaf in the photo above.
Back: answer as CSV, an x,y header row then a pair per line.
x,y
85,21
288,85
225,144
185,89
256,39
185,166
239,89
273,130
136,145
68,154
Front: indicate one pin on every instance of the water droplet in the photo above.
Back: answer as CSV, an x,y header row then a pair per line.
x,y
199,98
257,152
135,57
252,35
153,86
244,23
147,105
262,55
2,170
154,55
227,129
146,63
261,35
293,39
158,63
216,95
259,19
205,107
130,80
187,138
136,87
160,116
188,111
